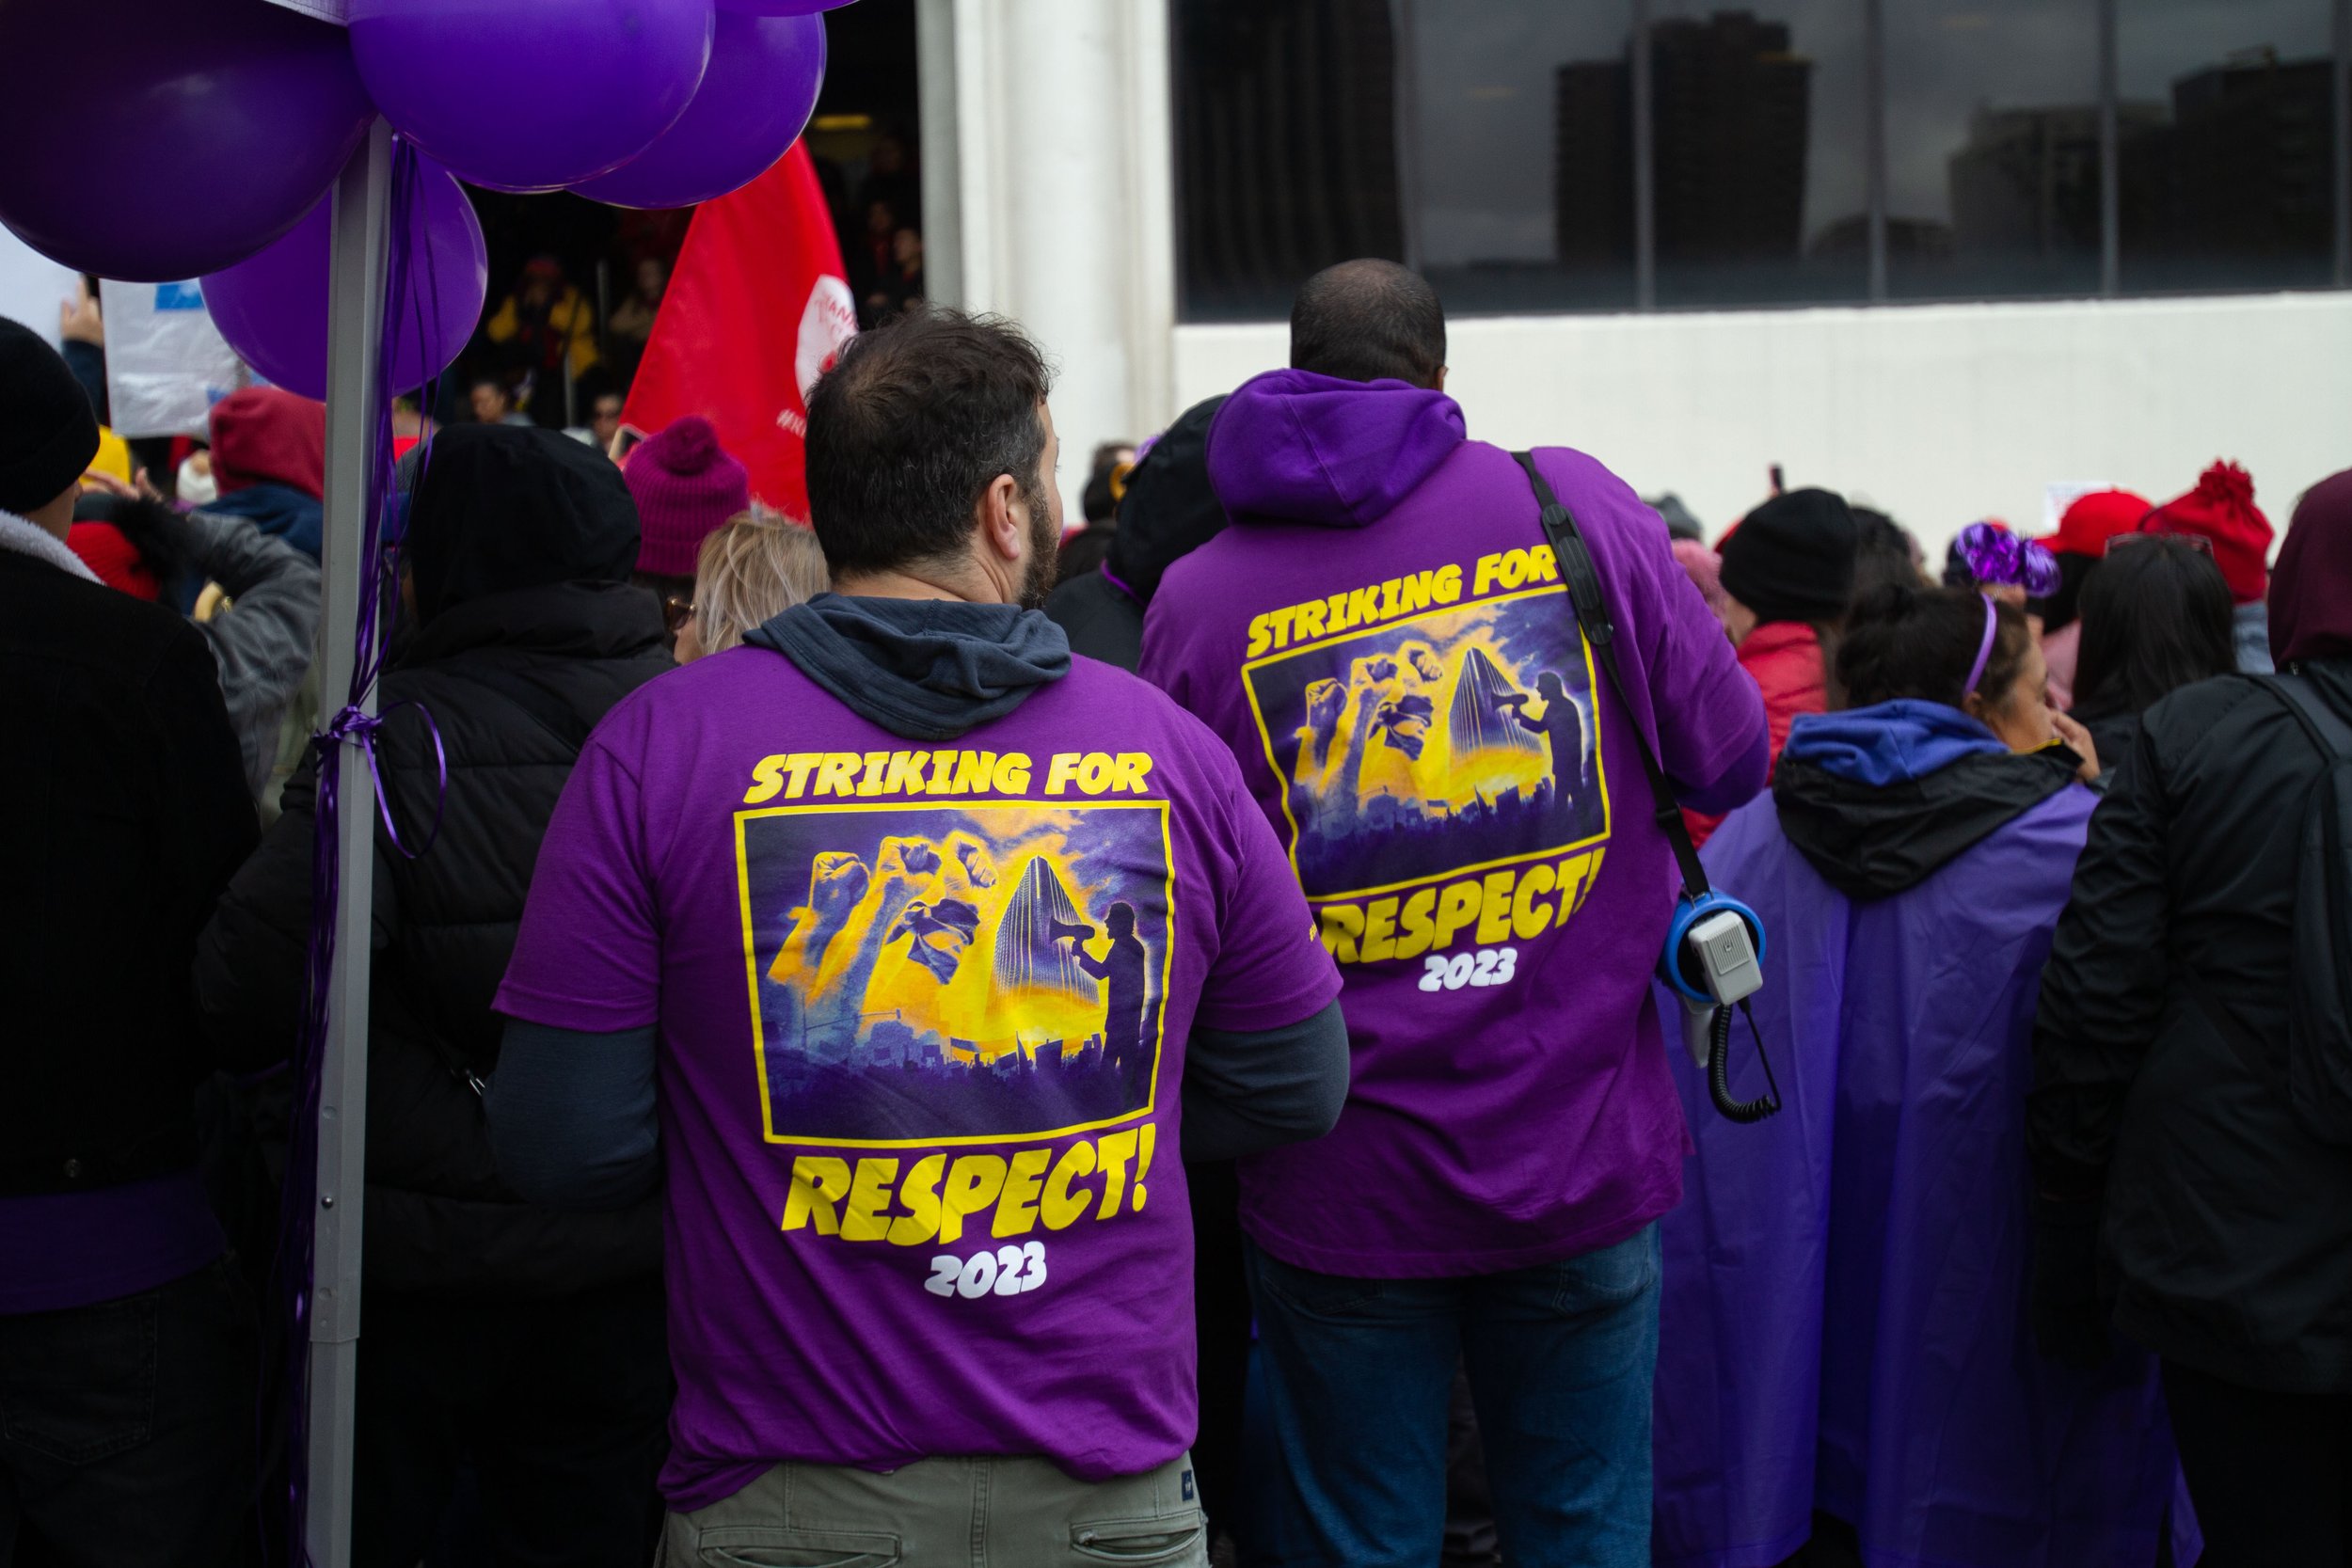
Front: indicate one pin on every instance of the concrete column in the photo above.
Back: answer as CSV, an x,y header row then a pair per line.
x,y
942,165
1063,216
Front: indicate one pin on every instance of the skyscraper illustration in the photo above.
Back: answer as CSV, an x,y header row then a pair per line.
x,y
1029,951
1478,719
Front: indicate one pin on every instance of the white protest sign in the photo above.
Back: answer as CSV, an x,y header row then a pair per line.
x,y
2059,494
32,286
336,12
167,364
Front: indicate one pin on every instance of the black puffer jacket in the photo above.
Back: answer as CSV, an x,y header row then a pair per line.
x,y
530,633
2227,1228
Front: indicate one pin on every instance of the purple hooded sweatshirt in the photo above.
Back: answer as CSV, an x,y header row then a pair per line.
x,y
1383,639
1844,1324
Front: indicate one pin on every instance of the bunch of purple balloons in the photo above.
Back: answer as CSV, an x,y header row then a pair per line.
x,y
203,143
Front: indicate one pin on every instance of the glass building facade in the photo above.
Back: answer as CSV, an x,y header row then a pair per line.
x,y
1584,155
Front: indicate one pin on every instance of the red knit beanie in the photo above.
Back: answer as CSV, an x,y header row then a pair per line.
x,y
2222,509
686,489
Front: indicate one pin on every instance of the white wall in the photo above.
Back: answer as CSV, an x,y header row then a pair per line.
x,y
1938,414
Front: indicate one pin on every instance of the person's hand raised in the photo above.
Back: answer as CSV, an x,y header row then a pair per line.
x,y
2077,740
79,320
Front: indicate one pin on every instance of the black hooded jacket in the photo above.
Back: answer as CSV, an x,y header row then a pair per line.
x,y
1873,840
1168,513
2160,1099
519,548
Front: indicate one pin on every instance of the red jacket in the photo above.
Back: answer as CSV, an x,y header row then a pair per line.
x,y
1783,658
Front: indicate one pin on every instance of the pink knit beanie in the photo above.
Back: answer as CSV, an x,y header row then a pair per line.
x,y
686,489
1706,569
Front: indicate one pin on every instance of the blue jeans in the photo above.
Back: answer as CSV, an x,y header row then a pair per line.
x,y
1355,1375
126,1428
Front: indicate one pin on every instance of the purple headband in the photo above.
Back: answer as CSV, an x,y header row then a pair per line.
x,y
1984,644
1999,559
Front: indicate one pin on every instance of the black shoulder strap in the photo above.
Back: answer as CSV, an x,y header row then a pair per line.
x,y
2320,721
1592,617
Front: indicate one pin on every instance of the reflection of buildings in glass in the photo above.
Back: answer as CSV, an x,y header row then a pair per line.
x,y
2027,181
1732,121
1907,239
2245,164
1592,179
1731,116
1286,128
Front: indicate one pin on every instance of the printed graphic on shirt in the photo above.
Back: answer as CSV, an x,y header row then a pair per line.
x,y
1434,745
990,972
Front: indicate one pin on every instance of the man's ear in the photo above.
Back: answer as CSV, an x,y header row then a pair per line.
x,y
1439,386
1000,522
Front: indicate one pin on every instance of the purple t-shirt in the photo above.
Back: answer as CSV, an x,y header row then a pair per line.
x,y
922,1013
1413,706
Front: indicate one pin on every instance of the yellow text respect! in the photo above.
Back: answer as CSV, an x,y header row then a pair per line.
x,y
938,1195
1515,905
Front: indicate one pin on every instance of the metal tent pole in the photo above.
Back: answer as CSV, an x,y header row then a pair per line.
x,y
362,201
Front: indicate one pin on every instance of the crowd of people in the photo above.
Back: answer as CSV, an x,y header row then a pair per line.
x,y
946,1037
549,352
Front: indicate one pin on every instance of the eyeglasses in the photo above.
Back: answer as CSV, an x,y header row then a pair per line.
x,y
2197,541
676,609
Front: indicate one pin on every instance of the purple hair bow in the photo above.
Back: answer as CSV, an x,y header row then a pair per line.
x,y
1998,558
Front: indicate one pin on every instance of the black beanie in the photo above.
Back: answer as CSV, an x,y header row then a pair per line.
x,y
48,435
1793,558
1169,510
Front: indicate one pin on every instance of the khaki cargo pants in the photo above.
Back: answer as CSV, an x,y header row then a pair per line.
x,y
978,1512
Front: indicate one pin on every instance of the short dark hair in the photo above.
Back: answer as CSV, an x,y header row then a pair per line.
x,y
1904,642
1369,321
2155,616
909,428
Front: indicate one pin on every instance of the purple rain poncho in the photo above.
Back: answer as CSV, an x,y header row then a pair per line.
x,y
1844,1318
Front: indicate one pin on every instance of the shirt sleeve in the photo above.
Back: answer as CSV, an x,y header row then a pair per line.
x,y
1246,1093
589,954
1271,969
574,1117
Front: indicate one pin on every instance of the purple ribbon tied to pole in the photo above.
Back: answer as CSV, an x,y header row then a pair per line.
x,y
360,727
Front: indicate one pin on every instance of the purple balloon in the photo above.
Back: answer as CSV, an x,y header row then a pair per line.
x,y
779,8
203,130
754,102
273,308
531,95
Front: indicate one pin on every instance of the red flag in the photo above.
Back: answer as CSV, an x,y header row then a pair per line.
x,y
757,308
